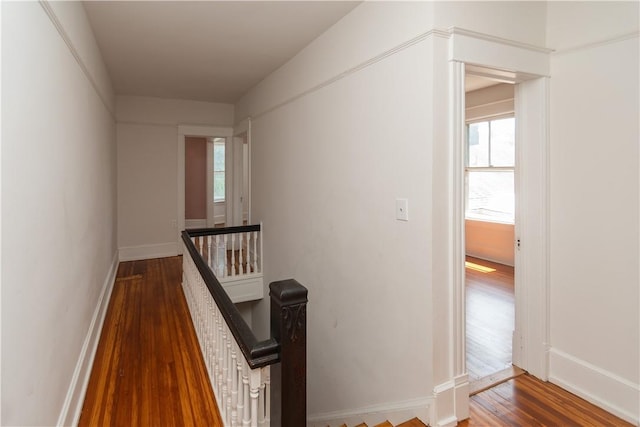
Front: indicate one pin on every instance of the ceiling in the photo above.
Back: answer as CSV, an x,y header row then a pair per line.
x,y
204,50
472,82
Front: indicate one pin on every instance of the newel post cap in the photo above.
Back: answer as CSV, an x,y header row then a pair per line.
x,y
288,292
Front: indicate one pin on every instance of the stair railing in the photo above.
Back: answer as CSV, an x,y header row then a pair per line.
x,y
239,366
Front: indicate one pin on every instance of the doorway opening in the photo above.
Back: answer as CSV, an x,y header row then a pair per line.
x,y
205,181
238,192
489,223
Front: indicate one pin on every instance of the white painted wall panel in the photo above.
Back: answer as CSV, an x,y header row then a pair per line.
x,y
492,241
327,169
146,110
521,21
595,256
576,23
147,184
148,169
58,209
369,30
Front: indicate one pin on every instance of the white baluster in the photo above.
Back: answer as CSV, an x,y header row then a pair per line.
x,y
216,356
261,402
201,241
254,393
211,333
246,417
221,335
209,250
217,261
233,371
226,269
241,254
266,372
233,254
240,406
255,251
230,371
223,377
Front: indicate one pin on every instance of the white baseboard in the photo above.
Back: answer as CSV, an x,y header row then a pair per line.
x,y
486,258
396,413
195,223
617,395
160,250
72,407
450,402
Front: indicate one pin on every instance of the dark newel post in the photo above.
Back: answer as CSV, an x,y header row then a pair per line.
x,y
289,329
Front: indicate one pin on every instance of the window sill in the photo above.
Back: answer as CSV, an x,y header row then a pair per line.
x,y
489,220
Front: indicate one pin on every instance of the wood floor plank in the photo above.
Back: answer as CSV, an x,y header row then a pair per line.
x,y
414,422
492,380
148,369
490,316
527,401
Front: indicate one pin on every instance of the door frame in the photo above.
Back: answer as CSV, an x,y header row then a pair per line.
x,y
183,132
236,194
528,67
530,225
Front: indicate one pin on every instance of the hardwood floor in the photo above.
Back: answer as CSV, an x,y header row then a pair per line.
x,y
527,401
490,317
523,400
148,369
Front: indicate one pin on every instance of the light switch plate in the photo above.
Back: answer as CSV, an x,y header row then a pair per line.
x,y
402,209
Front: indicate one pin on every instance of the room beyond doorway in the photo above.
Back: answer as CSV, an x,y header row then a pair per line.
x,y
489,223
490,316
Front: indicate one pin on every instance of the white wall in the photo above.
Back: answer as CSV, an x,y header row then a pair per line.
x,y
493,241
147,131
521,21
326,170
594,203
357,119
58,208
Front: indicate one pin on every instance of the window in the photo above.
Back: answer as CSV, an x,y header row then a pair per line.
x,y
490,170
218,169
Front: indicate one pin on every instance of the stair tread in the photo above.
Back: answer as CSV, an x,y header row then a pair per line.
x,y
414,422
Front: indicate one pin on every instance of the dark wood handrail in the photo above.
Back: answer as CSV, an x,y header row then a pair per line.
x,y
288,342
257,353
195,232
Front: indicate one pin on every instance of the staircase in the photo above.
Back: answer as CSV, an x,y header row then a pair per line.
x,y
414,422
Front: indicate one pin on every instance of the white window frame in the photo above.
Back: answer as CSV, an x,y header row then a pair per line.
x,y
222,142
489,168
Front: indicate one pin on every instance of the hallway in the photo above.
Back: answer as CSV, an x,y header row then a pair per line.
x,y
148,369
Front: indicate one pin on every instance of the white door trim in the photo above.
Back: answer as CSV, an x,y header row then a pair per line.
x,y
245,127
515,63
211,220
532,227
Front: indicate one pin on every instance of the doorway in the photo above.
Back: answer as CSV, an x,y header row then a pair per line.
x,y
489,222
530,337
205,181
526,67
207,135
238,190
